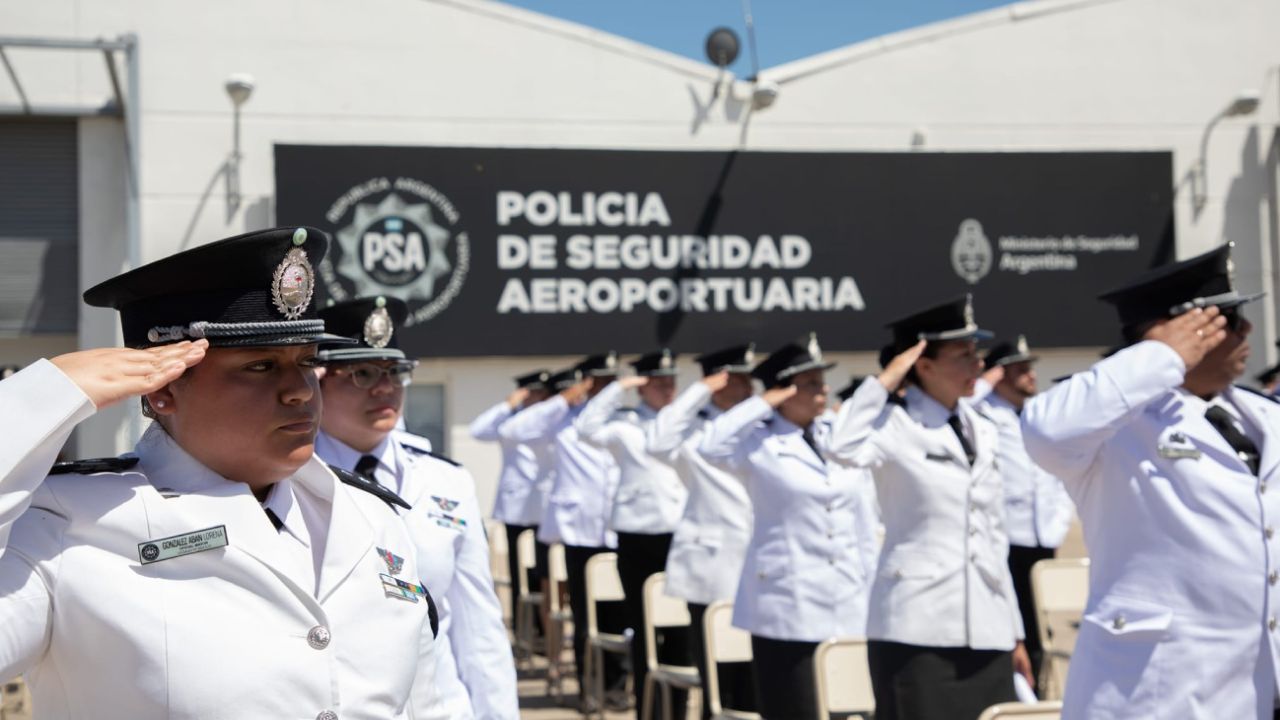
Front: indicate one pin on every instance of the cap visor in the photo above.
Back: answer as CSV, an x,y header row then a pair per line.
x,y
959,334
281,340
360,354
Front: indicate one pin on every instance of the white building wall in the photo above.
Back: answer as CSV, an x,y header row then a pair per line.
x,y
1117,74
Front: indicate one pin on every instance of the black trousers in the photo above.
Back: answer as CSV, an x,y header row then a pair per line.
x,y
736,689
783,678
911,682
610,617
513,566
639,557
1020,561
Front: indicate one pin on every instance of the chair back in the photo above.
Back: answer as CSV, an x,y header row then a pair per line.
x,y
526,559
603,585
660,611
557,575
1060,588
1023,711
724,643
843,677
496,533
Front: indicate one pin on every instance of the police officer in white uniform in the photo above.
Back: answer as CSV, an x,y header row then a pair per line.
x,y
648,502
363,388
1174,473
221,571
802,581
525,476
579,503
943,624
710,542
1037,510
868,525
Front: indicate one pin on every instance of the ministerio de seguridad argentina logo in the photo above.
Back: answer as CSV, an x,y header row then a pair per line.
x,y
971,252
399,237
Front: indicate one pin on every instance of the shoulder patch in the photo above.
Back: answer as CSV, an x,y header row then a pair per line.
x,y
1258,392
96,465
361,483
415,450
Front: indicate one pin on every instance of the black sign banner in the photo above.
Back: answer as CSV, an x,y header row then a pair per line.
x,y
503,251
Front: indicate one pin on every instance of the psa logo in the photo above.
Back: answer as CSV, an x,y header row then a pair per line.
x,y
971,252
402,239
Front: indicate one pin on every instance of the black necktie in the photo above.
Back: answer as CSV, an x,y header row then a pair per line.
x,y
276,522
366,466
1221,421
807,434
954,422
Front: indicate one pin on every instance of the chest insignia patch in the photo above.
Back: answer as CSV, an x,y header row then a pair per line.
x,y
394,562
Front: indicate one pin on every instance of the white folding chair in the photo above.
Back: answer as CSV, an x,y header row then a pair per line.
x,y
559,620
663,611
603,585
843,677
724,643
496,533
1024,711
530,599
1060,589
15,700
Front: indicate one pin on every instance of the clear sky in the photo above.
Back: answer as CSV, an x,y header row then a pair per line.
x,y
785,29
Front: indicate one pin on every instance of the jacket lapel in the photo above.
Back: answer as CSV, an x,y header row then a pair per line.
x,y
351,535
1264,415
792,443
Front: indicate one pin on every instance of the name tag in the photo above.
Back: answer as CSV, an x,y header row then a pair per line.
x,y
937,458
1170,452
186,544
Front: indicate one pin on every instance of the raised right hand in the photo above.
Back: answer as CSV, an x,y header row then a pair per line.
x,y
717,382
776,396
109,375
517,397
896,371
576,394
1192,334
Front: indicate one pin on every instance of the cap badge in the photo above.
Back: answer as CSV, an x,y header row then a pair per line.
x,y
665,361
815,352
378,328
749,357
293,283
611,360
968,311
1022,345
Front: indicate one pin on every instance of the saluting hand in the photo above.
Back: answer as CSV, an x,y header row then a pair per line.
x,y
1192,334
893,374
994,375
776,396
517,397
576,394
633,382
109,375
717,381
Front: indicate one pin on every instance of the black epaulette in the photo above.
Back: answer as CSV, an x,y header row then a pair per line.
x,y
362,483
443,458
1258,392
96,465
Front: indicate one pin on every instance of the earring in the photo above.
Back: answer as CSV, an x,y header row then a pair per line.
x,y
159,403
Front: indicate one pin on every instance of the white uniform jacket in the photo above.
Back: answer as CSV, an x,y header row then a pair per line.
x,y
1037,509
943,577
251,629
475,673
868,524
520,499
802,579
585,476
711,539
1181,618
650,497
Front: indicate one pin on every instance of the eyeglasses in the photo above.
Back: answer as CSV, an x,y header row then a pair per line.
x,y
366,375
1235,320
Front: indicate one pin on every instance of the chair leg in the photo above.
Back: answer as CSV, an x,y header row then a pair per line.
x,y
646,699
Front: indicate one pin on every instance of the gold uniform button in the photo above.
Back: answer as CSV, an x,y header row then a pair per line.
x,y
1269,532
1271,624
1119,622
1273,577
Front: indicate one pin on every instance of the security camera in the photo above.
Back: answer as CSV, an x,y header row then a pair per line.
x,y
764,95
239,88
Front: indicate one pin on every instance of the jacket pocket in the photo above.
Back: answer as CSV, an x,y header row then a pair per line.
x,y
909,565
1132,620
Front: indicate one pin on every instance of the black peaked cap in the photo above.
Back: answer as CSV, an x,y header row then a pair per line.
x,y
536,380
655,364
1008,353
564,379
737,359
1173,289
952,320
372,323
601,365
255,289
800,355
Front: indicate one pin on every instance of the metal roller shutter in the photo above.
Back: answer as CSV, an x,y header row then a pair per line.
x,y
39,227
